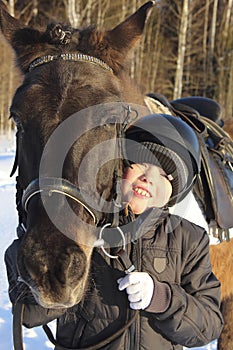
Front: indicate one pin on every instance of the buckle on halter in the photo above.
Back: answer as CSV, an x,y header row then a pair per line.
x,y
121,254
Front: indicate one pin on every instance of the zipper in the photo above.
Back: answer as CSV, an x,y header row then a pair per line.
x,y
136,247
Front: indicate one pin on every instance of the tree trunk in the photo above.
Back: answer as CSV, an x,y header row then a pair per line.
x,y
88,8
133,64
181,50
228,17
212,35
226,36
188,69
224,56
229,97
205,40
153,45
35,8
73,9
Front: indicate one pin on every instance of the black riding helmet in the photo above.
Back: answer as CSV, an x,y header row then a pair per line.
x,y
168,142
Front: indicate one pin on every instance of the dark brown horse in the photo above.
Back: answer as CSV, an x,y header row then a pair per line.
x,y
65,71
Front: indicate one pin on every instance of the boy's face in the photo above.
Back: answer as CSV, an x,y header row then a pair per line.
x,y
145,186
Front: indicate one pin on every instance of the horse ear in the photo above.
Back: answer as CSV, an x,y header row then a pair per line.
x,y
125,36
15,31
8,24
20,38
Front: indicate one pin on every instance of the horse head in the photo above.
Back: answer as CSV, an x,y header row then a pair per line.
x,y
67,70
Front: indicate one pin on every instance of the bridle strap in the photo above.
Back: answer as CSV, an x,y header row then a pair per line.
x,y
75,57
59,185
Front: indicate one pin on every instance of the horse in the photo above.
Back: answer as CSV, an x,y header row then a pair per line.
x,y
65,71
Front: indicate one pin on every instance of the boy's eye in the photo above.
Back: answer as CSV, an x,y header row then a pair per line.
x,y
165,175
144,166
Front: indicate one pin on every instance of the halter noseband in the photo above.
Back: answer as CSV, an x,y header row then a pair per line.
x,y
75,57
59,185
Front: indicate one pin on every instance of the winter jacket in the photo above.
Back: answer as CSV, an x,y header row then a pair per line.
x,y
184,310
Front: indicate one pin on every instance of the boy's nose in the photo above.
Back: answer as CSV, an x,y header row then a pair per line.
x,y
147,178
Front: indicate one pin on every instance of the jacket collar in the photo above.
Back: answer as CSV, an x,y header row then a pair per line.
x,y
138,226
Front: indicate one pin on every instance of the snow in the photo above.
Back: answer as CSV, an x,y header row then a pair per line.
x,y
35,338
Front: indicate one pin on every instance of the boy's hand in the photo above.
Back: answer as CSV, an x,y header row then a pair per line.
x,y
140,287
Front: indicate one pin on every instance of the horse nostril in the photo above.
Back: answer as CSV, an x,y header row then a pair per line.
x,y
71,265
77,263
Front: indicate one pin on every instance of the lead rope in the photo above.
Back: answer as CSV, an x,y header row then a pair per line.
x,y
96,346
17,326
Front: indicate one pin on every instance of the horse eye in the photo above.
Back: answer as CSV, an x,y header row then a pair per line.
x,y
17,121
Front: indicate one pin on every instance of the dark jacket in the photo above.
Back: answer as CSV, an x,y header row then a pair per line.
x,y
185,306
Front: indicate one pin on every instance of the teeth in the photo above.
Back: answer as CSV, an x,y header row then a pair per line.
x,y
142,192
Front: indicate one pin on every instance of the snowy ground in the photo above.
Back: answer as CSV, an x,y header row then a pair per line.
x,y
35,338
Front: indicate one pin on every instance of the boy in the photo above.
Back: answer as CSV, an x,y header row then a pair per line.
x,y
176,284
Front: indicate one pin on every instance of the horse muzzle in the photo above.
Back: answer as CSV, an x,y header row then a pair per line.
x,y
57,279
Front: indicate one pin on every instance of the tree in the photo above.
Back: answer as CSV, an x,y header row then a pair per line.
x,y
181,50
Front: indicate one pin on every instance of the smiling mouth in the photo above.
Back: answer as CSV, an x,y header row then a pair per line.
x,y
142,192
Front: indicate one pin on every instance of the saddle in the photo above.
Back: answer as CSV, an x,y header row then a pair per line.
x,y
214,186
